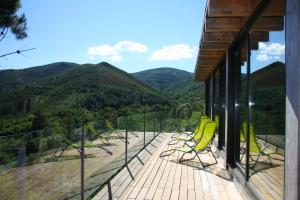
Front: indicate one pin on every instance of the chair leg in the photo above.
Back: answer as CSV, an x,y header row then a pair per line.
x,y
200,160
216,161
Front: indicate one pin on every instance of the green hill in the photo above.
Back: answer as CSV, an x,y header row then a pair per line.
x,y
177,83
271,75
11,78
69,94
163,78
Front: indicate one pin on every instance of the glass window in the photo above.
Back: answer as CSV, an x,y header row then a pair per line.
x,y
266,129
222,88
216,105
241,101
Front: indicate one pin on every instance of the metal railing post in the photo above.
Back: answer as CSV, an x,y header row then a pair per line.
x,y
160,120
126,138
144,128
154,124
82,163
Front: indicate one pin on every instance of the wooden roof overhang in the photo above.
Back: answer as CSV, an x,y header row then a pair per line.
x,y
223,20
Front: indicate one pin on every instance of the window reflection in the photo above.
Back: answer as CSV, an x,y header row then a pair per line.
x,y
267,116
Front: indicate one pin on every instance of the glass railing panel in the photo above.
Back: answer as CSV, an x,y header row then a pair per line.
x,y
135,135
150,125
40,164
104,153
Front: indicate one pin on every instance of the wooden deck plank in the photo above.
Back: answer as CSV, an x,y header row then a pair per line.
x,y
212,186
198,185
153,187
174,195
158,194
142,193
166,178
183,183
133,190
205,186
171,178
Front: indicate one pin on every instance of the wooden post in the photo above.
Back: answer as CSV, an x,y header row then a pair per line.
x,y
292,142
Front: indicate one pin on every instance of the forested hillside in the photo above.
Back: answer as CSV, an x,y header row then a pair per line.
x,y
64,93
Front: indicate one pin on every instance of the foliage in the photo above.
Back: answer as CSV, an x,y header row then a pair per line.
x,y
10,20
66,93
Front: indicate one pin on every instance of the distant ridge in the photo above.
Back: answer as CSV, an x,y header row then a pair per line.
x,y
271,75
12,77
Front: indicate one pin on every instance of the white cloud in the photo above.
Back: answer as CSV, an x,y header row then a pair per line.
x,y
112,52
263,57
277,57
116,58
270,51
273,49
103,50
174,52
131,46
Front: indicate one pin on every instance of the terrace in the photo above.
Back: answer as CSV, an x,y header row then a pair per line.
x,y
122,161
151,177
100,162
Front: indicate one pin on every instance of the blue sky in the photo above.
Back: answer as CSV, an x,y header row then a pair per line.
x,y
133,35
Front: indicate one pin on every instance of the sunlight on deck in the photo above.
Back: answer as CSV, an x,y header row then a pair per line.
x,y
166,178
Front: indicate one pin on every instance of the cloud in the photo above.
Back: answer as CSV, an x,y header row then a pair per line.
x,y
131,46
263,57
174,52
270,51
112,52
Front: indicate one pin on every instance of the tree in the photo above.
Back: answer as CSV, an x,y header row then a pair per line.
x,y
9,20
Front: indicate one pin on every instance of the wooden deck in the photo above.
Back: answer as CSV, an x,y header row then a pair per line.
x,y
150,177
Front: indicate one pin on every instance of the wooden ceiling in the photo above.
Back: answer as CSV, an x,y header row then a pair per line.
x,y
222,22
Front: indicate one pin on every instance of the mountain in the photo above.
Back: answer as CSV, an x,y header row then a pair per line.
x,y
271,75
11,78
161,78
178,83
67,93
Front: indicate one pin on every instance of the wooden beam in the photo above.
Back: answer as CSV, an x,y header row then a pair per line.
x,y
234,24
229,36
211,62
257,36
229,8
223,45
276,8
228,24
269,24
211,53
208,58
205,67
242,8
219,37
215,45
